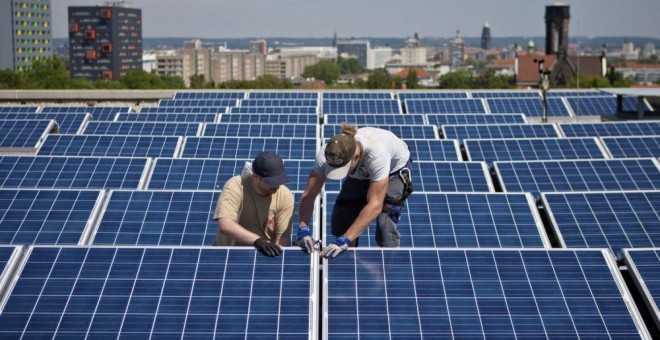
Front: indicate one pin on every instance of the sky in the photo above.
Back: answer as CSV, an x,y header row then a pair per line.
x,y
377,18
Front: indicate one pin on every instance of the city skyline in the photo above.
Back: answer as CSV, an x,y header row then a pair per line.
x,y
298,18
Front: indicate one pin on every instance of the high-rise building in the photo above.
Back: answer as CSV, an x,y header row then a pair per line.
x,y
289,67
485,37
412,52
25,33
105,42
556,29
350,48
258,47
456,50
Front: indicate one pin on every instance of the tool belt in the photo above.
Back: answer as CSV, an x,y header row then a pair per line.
x,y
405,174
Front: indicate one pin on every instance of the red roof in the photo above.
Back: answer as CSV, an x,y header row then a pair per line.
x,y
420,73
528,70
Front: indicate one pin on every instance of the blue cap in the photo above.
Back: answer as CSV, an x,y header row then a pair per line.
x,y
270,167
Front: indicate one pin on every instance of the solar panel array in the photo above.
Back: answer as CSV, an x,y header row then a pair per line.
x,y
424,106
601,105
66,122
375,119
432,95
166,117
401,131
375,106
474,119
99,113
24,133
533,149
531,107
462,132
108,145
274,118
143,129
644,265
651,128
633,147
261,130
247,148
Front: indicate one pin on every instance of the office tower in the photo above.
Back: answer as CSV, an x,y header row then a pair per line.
x,y
25,33
485,37
105,42
556,28
257,47
456,50
350,48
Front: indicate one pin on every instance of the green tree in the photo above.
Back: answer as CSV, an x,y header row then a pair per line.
x,y
198,81
380,79
460,79
588,81
411,80
324,70
616,78
79,83
349,65
109,85
47,73
11,80
488,80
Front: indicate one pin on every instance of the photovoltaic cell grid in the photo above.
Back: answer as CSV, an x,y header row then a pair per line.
x,y
644,266
531,107
445,106
579,175
433,150
209,95
575,93
553,294
66,122
211,174
168,117
115,146
485,220
375,119
357,95
143,129
283,95
72,172
495,131
401,131
490,150
18,109
275,118
610,129
614,220
474,119
275,109
45,216
507,94
633,147
99,113
183,109
602,105
74,292
261,130
248,148
431,95
220,103
279,102
24,133
361,106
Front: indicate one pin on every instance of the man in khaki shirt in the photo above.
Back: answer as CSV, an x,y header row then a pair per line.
x,y
256,209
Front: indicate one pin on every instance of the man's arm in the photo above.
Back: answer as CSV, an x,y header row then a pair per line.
x,y
375,199
232,229
314,184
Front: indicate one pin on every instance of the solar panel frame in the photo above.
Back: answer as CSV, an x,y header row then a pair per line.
x,y
281,95
497,131
9,258
99,113
247,148
375,119
509,149
505,94
640,263
425,132
434,149
353,95
528,106
474,119
261,130
24,134
276,118
574,93
632,147
143,129
185,95
600,105
113,146
279,102
19,109
219,103
464,105
609,129
167,117
183,109
66,122
274,110
373,106
403,96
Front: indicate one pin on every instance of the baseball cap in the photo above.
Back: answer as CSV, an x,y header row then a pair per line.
x,y
338,154
270,168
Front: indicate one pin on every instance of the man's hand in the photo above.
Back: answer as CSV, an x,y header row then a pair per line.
x,y
334,249
305,240
267,248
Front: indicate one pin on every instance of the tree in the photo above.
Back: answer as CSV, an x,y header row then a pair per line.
x,y
141,80
616,78
349,65
47,73
11,80
460,79
380,79
488,80
324,70
198,81
411,80
109,85
586,81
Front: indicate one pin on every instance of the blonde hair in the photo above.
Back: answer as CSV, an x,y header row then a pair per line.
x,y
348,129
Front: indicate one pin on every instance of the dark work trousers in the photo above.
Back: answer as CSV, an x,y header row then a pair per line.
x,y
353,197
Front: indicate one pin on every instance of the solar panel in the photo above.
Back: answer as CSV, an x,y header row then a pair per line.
x,y
24,133
357,95
168,117
261,130
574,93
531,107
115,146
275,110
633,147
579,175
143,129
431,95
99,113
183,109
474,119
490,150
361,106
601,105
211,174
508,293
494,131
442,176
506,94
30,216
198,102
445,106
279,102
72,172
247,148
131,292
209,95
610,129
433,150
644,266
67,122
283,95
401,131
8,256
614,220
18,109
375,119
275,118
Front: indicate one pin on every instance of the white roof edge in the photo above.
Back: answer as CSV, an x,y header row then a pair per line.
x,y
643,92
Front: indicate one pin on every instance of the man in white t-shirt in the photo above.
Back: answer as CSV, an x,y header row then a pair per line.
x,y
376,165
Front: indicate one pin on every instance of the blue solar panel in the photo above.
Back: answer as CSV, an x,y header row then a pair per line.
x,y
507,94
375,119
198,102
477,294
431,95
276,118
72,172
115,146
67,122
7,256
30,216
168,117
18,109
614,220
261,130
531,107
433,150
184,109
533,149
211,174
579,175
602,105
361,106
574,93
275,110
446,106
485,220
24,133
610,129
279,102
401,131
209,95
474,119
357,95
247,148
495,131
103,292
283,95
644,266
99,113
143,129
633,147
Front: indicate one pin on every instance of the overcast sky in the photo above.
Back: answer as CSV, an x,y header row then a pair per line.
x,y
376,18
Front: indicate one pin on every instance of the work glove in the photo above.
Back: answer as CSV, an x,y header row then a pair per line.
x,y
267,248
334,249
305,240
